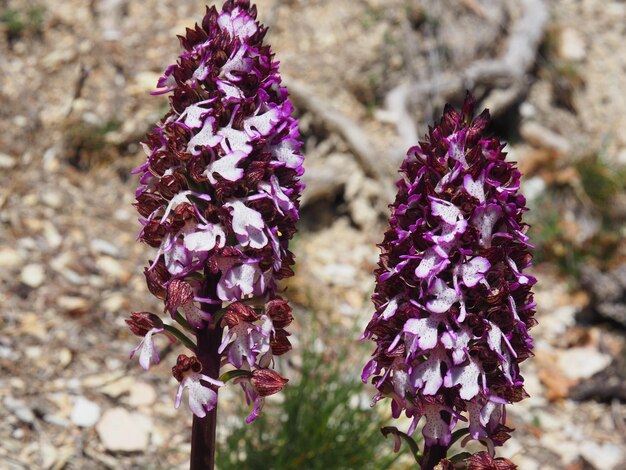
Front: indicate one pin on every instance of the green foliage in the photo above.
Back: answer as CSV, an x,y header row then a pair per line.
x,y
601,182
18,22
13,21
596,189
316,427
89,145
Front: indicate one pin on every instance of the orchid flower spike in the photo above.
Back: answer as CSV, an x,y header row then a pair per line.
x,y
218,197
452,305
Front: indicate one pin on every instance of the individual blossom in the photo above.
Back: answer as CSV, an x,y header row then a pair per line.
x,y
145,325
259,384
453,307
218,198
202,396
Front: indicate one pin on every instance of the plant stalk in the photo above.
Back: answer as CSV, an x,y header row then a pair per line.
x,y
203,429
432,456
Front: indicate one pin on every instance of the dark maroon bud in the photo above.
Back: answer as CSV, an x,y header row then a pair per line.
x,y
140,323
267,382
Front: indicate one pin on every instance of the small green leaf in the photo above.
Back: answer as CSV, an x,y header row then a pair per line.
x,y
458,458
233,374
458,434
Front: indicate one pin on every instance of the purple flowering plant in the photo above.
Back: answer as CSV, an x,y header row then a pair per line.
x,y
453,307
218,199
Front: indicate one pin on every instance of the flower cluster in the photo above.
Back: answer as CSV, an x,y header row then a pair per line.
x,y
453,307
218,198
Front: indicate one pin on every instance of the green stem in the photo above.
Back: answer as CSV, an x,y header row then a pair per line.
x,y
217,317
180,336
404,436
458,434
182,321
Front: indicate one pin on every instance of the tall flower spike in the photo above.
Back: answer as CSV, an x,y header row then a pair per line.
x,y
453,308
218,199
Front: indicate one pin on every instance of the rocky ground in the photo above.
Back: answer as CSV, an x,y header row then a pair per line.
x,y
74,86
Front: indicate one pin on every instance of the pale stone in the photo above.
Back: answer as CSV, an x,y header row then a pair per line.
x,y
118,388
113,268
142,394
572,45
72,304
9,258
114,303
33,275
582,362
19,409
121,431
85,413
52,199
338,274
567,449
605,456
104,247
64,357
7,161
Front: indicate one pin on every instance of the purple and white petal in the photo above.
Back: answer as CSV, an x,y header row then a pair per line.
x,y
474,271
391,308
427,375
436,431
226,167
431,264
475,188
445,210
444,297
457,342
205,138
421,333
261,124
238,24
485,219
285,153
467,376
241,282
248,224
208,237
147,350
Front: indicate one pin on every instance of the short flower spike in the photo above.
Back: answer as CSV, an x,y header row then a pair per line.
x,y
453,308
218,198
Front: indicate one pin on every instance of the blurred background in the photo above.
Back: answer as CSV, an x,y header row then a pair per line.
x,y
367,77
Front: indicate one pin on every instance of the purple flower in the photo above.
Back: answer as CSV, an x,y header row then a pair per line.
x,y
453,308
202,398
145,325
147,350
258,385
219,194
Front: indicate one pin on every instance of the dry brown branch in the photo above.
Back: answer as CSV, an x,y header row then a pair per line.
x,y
520,52
356,139
505,72
322,183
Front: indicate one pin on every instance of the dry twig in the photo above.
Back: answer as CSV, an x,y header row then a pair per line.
x,y
357,140
504,73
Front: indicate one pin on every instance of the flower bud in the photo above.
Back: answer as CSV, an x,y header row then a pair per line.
x,y
238,312
280,312
142,322
267,382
